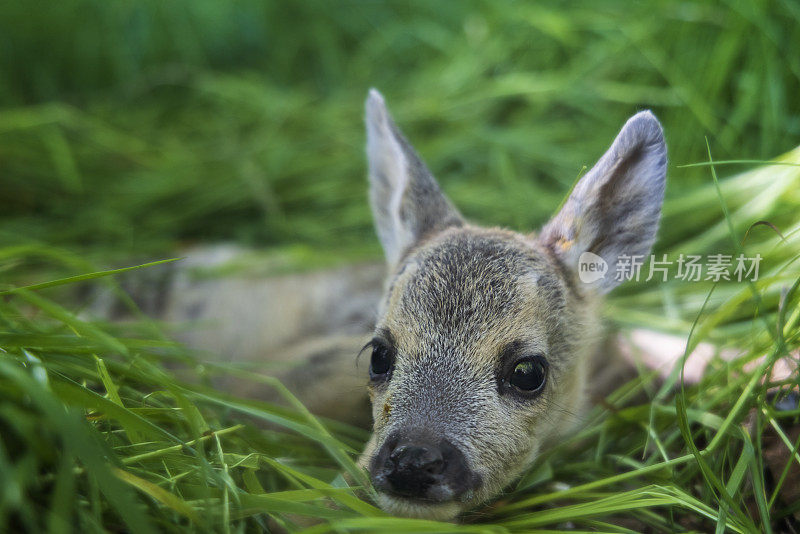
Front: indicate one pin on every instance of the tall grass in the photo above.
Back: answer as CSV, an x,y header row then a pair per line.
x,y
108,426
132,125
128,129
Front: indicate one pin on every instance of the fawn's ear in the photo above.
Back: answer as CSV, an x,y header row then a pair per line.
x,y
613,211
407,203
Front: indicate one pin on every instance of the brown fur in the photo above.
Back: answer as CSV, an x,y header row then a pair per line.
x,y
454,306
463,301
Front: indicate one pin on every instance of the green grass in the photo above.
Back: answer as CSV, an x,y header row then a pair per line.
x,y
201,120
128,129
106,425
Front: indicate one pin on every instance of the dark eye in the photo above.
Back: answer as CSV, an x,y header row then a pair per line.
x,y
528,374
381,362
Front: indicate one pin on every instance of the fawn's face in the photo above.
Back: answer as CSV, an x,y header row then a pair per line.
x,y
479,356
481,344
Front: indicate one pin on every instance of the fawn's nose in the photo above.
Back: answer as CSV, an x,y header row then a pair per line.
x,y
421,468
412,469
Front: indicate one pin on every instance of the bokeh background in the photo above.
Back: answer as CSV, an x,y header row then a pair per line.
x,y
134,127
132,131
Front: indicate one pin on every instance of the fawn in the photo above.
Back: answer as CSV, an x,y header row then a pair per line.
x,y
480,352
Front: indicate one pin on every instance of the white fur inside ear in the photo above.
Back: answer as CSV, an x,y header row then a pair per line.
x,y
612,213
389,178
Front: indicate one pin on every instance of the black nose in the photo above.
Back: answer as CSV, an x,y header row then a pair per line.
x,y
418,466
425,458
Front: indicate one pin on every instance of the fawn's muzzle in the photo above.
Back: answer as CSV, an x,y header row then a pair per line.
x,y
416,466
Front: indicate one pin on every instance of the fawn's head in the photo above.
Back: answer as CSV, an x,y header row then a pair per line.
x,y
482,338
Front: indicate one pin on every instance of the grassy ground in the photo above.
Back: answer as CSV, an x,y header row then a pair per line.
x,y
128,129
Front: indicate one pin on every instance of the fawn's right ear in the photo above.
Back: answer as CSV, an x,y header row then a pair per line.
x,y
613,211
407,204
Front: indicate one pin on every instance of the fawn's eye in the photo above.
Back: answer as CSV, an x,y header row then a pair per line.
x,y
521,376
529,374
381,362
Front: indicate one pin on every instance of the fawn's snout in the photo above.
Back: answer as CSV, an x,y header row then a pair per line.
x,y
420,467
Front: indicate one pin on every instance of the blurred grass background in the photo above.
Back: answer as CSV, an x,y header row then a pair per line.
x,y
132,126
130,129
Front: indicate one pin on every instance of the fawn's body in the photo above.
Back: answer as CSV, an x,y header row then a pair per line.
x,y
481,339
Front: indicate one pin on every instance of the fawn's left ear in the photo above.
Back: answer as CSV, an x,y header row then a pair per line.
x,y
613,211
407,204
